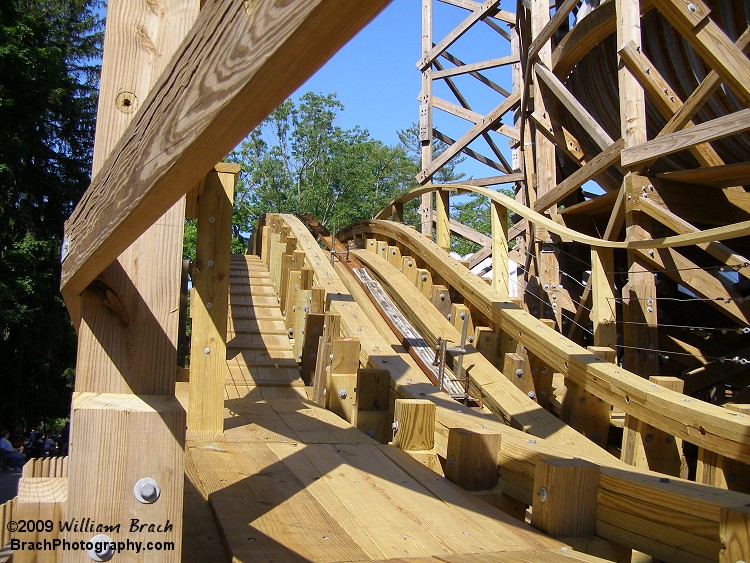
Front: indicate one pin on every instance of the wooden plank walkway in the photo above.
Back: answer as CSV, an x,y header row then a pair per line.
x,y
291,481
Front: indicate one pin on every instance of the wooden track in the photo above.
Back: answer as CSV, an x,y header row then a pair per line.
x,y
291,481
718,429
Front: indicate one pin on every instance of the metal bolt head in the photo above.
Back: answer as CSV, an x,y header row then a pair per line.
x,y
209,306
210,263
532,395
519,372
542,494
207,350
692,8
424,278
212,219
146,490
342,394
102,548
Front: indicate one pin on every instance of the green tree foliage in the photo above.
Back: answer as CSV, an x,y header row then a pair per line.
x,y
48,87
300,161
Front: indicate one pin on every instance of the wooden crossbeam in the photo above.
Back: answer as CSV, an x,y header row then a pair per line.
x,y
473,116
465,104
473,67
481,11
468,152
240,60
469,136
716,249
478,75
717,176
718,128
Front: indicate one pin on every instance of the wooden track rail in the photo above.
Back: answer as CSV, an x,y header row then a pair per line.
x,y
734,230
706,425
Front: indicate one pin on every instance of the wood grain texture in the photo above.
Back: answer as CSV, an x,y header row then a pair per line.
x,y
240,60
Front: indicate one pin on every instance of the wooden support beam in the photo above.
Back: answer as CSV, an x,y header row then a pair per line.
x,y
342,377
692,20
179,134
210,303
473,67
471,460
592,127
371,410
583,410
440,297
722,176
141,437
127,338
424,281
564,503
499,225
311,338
718,471
442,219
415,424
331,331
517,370
468,233
603,308
541,373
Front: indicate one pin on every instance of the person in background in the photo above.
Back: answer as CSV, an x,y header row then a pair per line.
x,y
12,457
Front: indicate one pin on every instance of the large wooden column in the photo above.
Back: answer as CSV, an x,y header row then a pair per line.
x,y
126,423
639,295
210,299
425,119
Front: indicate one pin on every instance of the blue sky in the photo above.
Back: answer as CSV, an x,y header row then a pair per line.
x,y
375,76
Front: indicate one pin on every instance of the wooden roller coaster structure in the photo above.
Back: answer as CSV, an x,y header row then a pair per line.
x,y
366,396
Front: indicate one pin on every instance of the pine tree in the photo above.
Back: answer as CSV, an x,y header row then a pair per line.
x,y
49,52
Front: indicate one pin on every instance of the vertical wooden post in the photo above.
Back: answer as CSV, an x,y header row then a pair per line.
x,y
124,412
331,328
603,297
639,295
415,420
371,413
734,533
397,212
516,369
442,220
342,377
394,256
499,222
425,119
208,350
471,458
719,471
564,500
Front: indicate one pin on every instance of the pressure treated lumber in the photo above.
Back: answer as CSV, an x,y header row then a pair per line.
x,y
210,303
659,407
213,92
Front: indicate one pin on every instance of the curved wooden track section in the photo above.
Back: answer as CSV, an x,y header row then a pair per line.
x,y
734,230
706,425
